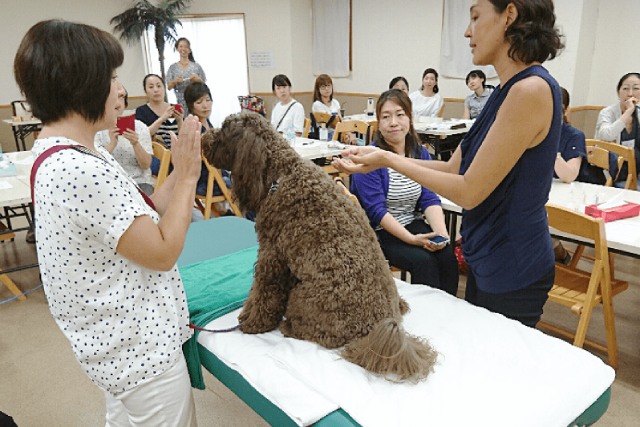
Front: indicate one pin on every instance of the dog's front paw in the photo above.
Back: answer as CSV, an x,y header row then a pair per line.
x,y
252,323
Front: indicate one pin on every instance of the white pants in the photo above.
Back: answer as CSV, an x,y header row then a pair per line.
x,y
165,400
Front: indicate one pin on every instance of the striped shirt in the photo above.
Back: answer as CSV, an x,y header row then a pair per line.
x,y
146,115
402,198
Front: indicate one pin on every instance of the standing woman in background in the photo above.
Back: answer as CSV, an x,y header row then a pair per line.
x,y
185,71
474,103
107,253
620,122
502,171
426,101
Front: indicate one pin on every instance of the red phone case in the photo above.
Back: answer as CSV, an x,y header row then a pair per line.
x,y
126,122
178,108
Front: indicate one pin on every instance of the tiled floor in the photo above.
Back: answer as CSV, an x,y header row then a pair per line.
x,y
41,384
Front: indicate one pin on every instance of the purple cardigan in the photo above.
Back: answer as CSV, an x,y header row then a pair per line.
x,y
372,189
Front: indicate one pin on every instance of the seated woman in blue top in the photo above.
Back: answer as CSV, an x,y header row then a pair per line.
x,y
571,149
502,171
569,166
197,96
395,204
474,103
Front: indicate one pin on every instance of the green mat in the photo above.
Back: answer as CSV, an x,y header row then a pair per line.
x,y
214,288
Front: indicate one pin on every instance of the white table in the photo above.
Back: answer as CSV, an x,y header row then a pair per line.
x,y
623,236
311,149
16,191
361,117
441,136
23,128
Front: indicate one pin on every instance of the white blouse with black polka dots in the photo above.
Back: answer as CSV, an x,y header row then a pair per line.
x,y
126,323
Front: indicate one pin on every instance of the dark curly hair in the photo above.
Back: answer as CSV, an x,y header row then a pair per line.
x,y
533,36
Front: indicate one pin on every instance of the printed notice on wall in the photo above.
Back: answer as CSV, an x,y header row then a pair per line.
x,y
261,59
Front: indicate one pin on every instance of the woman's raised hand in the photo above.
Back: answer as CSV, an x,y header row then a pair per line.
x,y
185,149
362,159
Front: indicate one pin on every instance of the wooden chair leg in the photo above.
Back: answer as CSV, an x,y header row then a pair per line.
x,y
609,324
6,280
576,256
587,309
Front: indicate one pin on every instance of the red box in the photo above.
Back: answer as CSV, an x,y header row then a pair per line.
x,y
126,122
627,210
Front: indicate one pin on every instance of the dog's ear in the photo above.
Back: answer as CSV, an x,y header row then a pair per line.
x,y
250,163
208,142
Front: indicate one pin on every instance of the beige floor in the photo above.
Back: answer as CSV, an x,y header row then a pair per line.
x,y
41,384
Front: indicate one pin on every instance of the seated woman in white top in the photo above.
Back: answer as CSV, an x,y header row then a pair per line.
x,y
620,122
323,101
474,103
288,115
426,102
132,149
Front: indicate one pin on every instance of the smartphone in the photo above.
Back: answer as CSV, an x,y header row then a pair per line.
x,y
178,108
439,240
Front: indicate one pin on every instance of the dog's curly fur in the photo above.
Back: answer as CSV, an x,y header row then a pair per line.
x,y
320,275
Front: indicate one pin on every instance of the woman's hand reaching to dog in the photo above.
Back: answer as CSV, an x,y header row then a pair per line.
x,y
363,159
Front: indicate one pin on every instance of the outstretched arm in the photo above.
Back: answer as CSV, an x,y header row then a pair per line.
x,y
514,131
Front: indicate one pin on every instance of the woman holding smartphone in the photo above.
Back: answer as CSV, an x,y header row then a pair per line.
x,y
502,171
395,204
161,117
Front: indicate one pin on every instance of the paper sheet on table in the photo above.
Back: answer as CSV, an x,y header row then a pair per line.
x,y
623,231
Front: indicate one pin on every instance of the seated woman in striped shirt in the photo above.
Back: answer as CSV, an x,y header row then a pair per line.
x,y
396,204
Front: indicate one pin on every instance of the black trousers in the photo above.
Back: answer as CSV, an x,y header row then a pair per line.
x,y
524,305
437,269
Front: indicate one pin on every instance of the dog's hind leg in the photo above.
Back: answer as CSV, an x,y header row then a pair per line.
x,y
268,296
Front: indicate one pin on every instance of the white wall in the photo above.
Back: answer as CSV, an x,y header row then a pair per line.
x,y
389,39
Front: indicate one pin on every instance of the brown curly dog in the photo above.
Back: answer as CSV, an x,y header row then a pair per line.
x,y
320,274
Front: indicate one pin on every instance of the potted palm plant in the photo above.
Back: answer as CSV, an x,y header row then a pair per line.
x,y
163,18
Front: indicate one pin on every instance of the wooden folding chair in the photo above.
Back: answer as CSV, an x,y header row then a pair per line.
x,y
598,155
351,126
373,127
581,290
340,183
326,118
307,127
163,154
204,202
625,154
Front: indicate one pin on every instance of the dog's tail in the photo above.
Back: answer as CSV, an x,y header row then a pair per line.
x,y
389,351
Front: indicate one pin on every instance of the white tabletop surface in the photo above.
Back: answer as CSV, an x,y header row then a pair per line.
x,y
314,149
16,190
622,235
22,122
443,128
362,117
